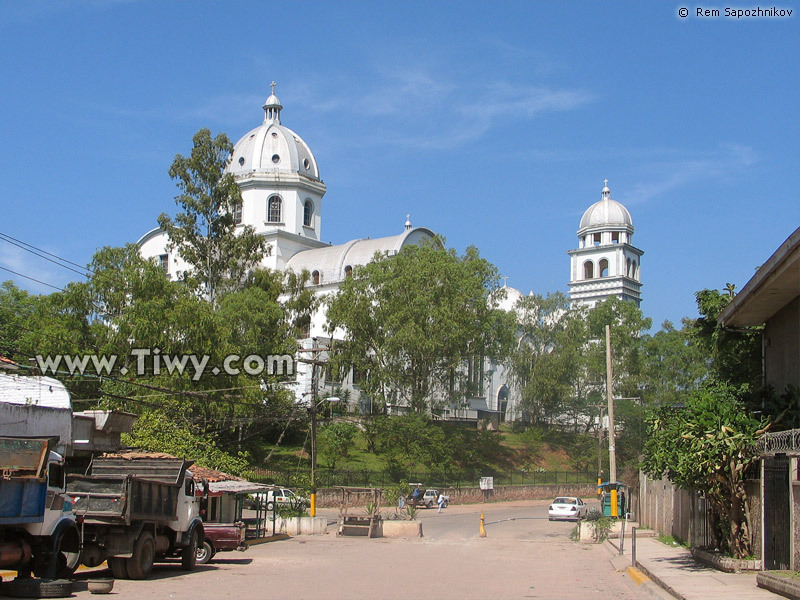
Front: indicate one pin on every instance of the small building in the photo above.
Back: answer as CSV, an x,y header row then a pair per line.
x,y
772,299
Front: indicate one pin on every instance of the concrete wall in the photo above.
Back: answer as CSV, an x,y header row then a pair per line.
x,y
331,497
37,421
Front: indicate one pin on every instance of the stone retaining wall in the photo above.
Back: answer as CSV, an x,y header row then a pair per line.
x,y
331,497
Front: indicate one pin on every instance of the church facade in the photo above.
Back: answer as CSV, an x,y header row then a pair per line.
x,y
282,199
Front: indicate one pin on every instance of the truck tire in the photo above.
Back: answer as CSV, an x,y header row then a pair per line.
x,y
68,553
144,553
38,588
189,553
119,567
205,553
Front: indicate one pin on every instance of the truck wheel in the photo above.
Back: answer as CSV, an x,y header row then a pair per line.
x,y
68,554
38,588
204,553
189,554
144,553
119,567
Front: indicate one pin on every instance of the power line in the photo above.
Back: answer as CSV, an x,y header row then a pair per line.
x,y
5,235
32,279
41,254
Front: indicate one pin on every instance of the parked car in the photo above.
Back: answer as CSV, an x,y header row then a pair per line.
x,y
568,508
277,495
221,537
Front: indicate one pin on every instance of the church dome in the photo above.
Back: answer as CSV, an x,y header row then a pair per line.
x,y
606,212
512,296
272,148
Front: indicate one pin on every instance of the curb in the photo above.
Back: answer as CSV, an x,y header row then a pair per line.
x,y
643,579
661,585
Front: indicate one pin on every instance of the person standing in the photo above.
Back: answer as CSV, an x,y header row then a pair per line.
x,y
440,501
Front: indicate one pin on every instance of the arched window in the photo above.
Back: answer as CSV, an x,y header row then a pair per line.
x,y
237,213
604,268
588,270
316,278
274,209
308,213
630,269
348,271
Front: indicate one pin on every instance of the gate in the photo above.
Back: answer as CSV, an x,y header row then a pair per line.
x,y
776,513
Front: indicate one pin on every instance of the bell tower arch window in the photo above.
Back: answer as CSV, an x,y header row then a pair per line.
x,y
316,278
588,270
274,206
308,213
604,268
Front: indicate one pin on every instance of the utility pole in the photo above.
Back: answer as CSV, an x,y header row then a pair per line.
x,y
314,362
612,452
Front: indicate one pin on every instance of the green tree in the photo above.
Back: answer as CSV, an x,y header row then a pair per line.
x,y
735,355
548,360
707,445
414,320
337,439
672,365
206,235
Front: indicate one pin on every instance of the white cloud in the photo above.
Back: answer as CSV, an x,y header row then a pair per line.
x,y
727,161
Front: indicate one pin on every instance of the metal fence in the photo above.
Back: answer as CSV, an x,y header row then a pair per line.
x,y
456,479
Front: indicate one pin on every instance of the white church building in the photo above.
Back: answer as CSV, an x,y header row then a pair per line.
x,y
282,199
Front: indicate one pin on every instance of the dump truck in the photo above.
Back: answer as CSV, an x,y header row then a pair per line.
x,y
135,510
38,531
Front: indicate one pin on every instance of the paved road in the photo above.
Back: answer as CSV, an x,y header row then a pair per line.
x,y
528,557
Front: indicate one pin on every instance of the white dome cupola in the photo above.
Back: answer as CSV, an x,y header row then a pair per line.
x,y
606,263
273,148
272,108
279,178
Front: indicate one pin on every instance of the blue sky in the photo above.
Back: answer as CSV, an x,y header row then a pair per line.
x,y
493,125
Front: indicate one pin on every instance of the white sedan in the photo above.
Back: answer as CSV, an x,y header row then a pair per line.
x,y
567,508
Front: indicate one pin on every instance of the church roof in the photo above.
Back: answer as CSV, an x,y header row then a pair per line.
x,y
332,261
606,212
272,148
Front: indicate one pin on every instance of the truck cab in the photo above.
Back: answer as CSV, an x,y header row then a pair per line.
x,y
38,531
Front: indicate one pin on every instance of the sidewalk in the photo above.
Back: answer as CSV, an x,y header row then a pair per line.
x,y
678,573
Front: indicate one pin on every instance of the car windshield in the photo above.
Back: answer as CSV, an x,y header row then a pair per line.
x,y
564,501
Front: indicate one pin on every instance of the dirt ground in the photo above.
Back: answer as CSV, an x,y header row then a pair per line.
x,y
523,556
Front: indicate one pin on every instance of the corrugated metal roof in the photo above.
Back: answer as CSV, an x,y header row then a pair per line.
x,y
238,487
33,390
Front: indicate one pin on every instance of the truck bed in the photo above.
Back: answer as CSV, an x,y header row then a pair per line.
x,y
120,491
23,485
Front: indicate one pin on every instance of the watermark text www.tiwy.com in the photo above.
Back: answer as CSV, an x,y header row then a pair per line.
x,y
146,361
